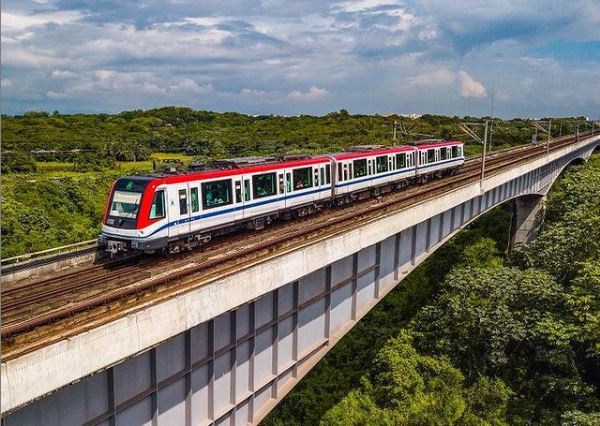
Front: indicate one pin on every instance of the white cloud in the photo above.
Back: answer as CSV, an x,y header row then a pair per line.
x,y
441,77
56,95
5,82
276,56
360,5
527,83
63,74
189,86
14,21
469,87
258,96
21,57
313,94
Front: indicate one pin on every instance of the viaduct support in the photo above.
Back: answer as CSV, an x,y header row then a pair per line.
x,y
527,219
226,351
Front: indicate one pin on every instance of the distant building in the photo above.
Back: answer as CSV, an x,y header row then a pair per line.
x,y
412,116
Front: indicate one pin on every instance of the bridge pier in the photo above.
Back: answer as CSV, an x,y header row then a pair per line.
x,y
527,219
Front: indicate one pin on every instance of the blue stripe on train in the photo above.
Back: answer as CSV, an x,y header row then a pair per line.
x,y
226,211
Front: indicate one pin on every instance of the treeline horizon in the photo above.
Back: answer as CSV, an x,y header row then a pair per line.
x,y
207,135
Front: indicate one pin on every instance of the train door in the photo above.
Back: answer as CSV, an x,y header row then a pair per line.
x,y
246,194
280,183
288,182
316,182
194,206
238,196
179,211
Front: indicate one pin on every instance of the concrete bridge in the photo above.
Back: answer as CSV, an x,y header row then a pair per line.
x,y
228,352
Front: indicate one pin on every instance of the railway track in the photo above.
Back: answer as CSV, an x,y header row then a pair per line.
x,y
103,291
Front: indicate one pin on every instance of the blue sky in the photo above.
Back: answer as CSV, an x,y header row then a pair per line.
x,y
539,57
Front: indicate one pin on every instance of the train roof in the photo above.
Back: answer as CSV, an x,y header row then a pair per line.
x,y
241,168
438,144
359,152
236,166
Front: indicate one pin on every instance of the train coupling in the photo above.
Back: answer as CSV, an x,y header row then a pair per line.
x,y
114,247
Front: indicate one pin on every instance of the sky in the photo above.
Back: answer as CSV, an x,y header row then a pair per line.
x,y
536,58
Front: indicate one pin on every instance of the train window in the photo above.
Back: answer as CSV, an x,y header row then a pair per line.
x,y
125,204
381,164
195,200
264,185
400,161
323,176
183,207
288,179
157,210
345,171
339,174
455,152
247,189
302,178
216,194
431,155
238,192
328,173
443,153
360,168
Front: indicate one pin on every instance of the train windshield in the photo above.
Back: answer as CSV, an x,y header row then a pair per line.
x,y
125,202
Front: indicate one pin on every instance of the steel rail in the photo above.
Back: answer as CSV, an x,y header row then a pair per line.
x,y
15,326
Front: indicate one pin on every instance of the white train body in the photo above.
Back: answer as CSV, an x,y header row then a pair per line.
x,y
182,210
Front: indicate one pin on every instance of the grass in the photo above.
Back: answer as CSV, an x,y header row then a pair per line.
x,y
66,169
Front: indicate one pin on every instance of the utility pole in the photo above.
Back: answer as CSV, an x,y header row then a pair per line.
x,y
469,129
485,132
394,137
492,117
560,129
539,125
549,134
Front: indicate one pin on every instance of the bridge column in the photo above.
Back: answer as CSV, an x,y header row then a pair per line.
x,y
527,218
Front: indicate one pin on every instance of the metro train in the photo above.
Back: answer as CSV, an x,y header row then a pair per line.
x,y
177,211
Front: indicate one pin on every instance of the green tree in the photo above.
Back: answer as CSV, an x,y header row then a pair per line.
x,y
583,299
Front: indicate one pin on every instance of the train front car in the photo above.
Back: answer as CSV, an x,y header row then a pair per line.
x,y
135,216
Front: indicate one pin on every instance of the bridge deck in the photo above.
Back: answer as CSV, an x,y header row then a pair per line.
x,y
33,369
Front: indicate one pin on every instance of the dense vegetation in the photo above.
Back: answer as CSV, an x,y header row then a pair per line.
x,y
57,168
476,337
471,337
133,135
